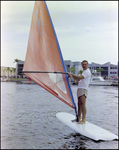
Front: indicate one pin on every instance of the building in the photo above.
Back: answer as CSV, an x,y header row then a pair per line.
x,y
19,68
108,68
68,64
76,65
6,73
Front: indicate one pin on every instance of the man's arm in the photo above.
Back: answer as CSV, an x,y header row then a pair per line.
x,y
78,78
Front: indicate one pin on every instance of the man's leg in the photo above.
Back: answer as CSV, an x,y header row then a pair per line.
x,y
83,105
79,109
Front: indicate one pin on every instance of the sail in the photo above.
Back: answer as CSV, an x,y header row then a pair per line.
x,y
44,54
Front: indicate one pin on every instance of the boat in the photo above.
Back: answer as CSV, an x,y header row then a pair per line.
x,y
44,64
98,80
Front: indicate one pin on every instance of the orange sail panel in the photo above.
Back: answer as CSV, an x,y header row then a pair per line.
x,y
43,55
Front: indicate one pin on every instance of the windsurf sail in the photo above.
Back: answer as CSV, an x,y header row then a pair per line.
x,y
44,56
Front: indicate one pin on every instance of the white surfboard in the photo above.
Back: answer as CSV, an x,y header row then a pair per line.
x,y
88,129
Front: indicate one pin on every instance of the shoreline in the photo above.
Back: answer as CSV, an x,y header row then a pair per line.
x,y
20,80
27,81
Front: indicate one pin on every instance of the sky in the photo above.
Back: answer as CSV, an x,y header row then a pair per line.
x,y
85,30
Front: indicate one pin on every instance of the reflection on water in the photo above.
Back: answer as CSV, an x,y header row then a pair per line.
x,y
74,141
28,118
77,141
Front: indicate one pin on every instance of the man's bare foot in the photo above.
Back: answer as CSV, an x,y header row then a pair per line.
x,y
75,120
81,122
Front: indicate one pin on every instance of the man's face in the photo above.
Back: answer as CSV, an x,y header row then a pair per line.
x,y
84,65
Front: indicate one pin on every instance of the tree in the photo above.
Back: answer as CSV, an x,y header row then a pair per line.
x,y
8,69
99,69
11,71
16,60
14,70
4,71
72,69
80,72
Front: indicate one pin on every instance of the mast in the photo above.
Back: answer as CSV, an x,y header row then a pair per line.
x,y
62,63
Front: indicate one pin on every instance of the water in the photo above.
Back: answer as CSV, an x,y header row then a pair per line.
x,y
28,118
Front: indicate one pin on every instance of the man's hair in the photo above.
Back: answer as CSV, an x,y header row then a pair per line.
x,y
84,61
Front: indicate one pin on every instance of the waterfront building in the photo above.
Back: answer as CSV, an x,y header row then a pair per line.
x,y
5,73
19,68
68,64
76,65
109,70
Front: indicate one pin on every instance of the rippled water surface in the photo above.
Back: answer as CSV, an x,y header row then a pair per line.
x,y
28,118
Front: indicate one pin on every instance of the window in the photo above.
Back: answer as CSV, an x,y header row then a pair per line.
x,y
113,67
113,72
104,73
104,68
20,65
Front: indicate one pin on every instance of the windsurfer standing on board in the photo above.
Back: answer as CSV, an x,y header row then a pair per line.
x,y
82,90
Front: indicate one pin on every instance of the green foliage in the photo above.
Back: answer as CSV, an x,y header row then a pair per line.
x,y
3,70
99,69
16,60
11,71
80,72
8,69
72,69
14,70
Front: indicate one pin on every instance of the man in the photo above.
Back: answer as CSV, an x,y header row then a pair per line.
x,y
82,90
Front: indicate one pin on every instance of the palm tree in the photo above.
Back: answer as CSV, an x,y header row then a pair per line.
x,y
16,60
4,71
8,69
80,72
99,69
72,69
14,70
11,71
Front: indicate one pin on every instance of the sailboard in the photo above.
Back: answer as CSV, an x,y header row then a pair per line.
x,y
44,62
88,129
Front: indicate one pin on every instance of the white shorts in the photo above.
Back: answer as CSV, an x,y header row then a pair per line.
x,y
81,92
